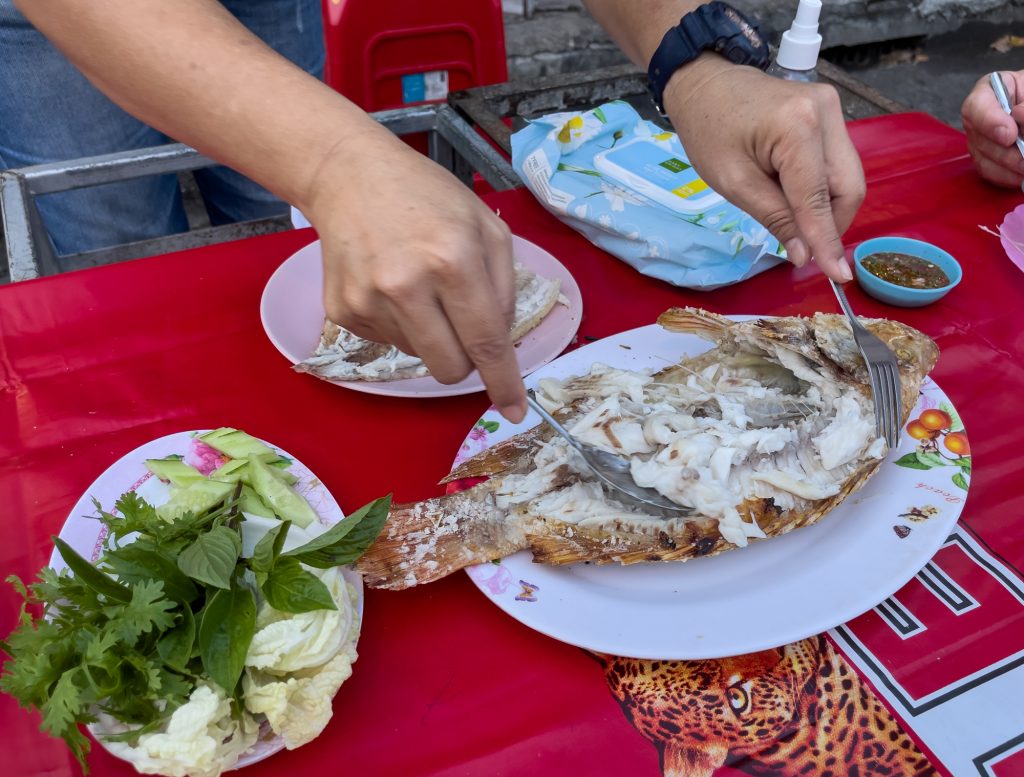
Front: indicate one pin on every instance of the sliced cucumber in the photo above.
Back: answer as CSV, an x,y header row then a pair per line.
x,y
249,502
238,470
278,496
237,444
233,471
174,470
195,498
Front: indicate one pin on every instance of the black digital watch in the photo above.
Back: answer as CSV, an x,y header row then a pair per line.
x,y
714,27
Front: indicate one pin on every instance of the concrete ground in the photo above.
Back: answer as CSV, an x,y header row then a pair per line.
x,y
936,73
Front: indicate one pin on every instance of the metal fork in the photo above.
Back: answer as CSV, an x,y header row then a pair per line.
x,y
883,371
612,469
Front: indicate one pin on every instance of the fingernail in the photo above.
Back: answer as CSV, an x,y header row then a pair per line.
x,y
513,413
844,272
796,251
1004,135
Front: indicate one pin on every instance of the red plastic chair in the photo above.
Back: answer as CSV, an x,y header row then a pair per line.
x,y
394,53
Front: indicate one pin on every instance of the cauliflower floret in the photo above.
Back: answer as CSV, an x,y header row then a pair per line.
x,y
298,708
201,739
286,642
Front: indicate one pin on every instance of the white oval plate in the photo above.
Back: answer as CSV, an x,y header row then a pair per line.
x,y
768,594
85,533
292,313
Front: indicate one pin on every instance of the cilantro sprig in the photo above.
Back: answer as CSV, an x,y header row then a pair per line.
x,y
166,604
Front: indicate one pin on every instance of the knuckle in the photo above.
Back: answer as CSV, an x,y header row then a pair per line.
x,y
818,200
802,112
486,351
780,223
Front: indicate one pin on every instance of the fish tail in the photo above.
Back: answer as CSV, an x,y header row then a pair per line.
x,y
425,541
703,323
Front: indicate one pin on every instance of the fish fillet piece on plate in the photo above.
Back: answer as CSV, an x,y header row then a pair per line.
x,y
343,355
762,434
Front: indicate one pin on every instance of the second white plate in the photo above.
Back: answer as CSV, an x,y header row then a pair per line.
x,y
292,312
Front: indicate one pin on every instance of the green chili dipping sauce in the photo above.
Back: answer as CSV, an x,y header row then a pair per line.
x,y
912,272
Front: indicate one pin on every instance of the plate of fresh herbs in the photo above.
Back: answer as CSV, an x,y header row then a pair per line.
x,y
198,613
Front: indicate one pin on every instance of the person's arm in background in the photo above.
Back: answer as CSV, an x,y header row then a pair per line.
x,y
991,133
777,149
412,256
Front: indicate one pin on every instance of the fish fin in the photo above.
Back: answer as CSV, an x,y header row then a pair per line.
x,y
507,456
425,541
702,323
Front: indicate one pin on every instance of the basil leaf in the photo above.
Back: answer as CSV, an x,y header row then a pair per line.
x,y
212,557
225,633
89,575
290,588
140,561
269,548
347,540
175,646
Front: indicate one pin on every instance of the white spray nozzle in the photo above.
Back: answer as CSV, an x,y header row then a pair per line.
x,y
801,42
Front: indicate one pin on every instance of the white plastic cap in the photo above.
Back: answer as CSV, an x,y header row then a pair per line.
x,y
801,42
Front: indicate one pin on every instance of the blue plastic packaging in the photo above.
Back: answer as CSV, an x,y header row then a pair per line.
x,y
555,156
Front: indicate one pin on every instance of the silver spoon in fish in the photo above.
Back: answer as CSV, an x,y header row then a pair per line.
x,y
609,467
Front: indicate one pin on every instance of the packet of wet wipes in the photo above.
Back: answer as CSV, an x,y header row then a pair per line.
x,y
628,186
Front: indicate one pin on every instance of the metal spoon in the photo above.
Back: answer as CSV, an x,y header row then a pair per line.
x,y
612,469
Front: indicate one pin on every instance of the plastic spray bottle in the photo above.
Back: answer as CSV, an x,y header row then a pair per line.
x,y
798,51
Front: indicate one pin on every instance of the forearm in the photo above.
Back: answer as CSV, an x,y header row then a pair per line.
x,y
192,70
638,26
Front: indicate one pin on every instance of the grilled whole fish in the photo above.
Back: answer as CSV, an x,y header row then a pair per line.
x,y
762,434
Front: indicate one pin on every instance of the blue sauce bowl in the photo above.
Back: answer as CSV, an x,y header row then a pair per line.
x,y
903,296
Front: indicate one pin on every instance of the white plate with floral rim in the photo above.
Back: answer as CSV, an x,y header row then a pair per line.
x,y
85,534
292,313
762,596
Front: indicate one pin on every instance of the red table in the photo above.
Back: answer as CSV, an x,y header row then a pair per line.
x,y
94,363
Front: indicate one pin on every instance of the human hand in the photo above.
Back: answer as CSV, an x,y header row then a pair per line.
x,y
991,134
777,149
413,258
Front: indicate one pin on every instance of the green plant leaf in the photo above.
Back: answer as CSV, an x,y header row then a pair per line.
x,y
89,575
290,588
964,462
960,480
148,609
175,646
225,633
600,115
142,561
212,557
347,540
269,548
911,461
490,426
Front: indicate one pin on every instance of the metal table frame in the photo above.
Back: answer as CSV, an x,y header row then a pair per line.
x,y
451,142
488,107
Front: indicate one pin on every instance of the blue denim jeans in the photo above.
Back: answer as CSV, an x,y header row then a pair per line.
x,y
49,112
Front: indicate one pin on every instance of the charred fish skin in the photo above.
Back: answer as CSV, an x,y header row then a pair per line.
x,y
778,400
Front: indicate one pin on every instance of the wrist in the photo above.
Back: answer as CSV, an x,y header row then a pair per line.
x,y
692,76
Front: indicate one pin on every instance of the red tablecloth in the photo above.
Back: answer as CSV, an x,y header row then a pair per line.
x,y
94,363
